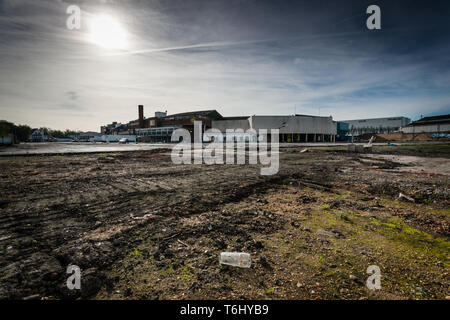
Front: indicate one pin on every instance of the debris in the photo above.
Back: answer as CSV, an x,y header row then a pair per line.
x,y
304,150
359,148
237,259
32,297
9,247
184,243
145,216
368,147
369,144
403,197
314,185
226,210
171,236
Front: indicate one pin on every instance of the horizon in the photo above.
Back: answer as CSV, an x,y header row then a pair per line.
x,y
237,57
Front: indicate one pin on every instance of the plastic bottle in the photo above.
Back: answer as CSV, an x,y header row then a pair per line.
x,y
237,259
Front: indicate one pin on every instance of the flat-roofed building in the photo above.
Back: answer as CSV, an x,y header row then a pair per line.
x,y
436,125
292,128
376,125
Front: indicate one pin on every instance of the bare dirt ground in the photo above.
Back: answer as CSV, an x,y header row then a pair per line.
x,y
141,227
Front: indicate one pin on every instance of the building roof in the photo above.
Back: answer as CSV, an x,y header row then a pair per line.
x,y
198,113
235,118
290,115
213,114
384,118
431,120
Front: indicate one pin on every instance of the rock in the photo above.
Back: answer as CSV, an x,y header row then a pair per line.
x,y
263,262
91,282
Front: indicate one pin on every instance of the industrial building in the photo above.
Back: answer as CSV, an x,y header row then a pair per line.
x,y
375,125
294,128
160,127
436,125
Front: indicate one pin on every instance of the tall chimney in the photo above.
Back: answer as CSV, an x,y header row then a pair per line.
x,y
141,116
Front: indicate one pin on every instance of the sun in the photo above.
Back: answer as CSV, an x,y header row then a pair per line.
x,y
107,32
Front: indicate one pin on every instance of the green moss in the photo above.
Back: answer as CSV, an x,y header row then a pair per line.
x,y
397,230
270,291
137,253
167,272
185,273
321,259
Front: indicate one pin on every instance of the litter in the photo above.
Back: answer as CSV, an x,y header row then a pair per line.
x,y
403,197
145,216
237,259
183,243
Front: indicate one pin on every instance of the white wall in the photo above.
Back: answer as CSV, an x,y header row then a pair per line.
x,y
117,137
222,125
393,122
295,124
445,127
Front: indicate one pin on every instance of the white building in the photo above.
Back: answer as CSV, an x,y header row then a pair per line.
x,y
439,125
293,128
38,136
376,125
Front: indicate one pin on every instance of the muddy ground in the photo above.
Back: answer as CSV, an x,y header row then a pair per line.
x,y
141,227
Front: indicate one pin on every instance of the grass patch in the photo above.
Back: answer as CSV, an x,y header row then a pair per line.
x,y
397,230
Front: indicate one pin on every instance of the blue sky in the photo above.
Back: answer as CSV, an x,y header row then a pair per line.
x,y
239,57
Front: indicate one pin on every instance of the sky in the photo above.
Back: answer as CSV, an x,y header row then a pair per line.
x,y
240,57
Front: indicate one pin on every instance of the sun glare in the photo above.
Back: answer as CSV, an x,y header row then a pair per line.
x,y
107,32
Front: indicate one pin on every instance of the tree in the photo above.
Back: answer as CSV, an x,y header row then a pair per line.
x,y
23,132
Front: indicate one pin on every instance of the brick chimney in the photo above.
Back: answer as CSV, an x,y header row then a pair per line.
x,y
141,116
